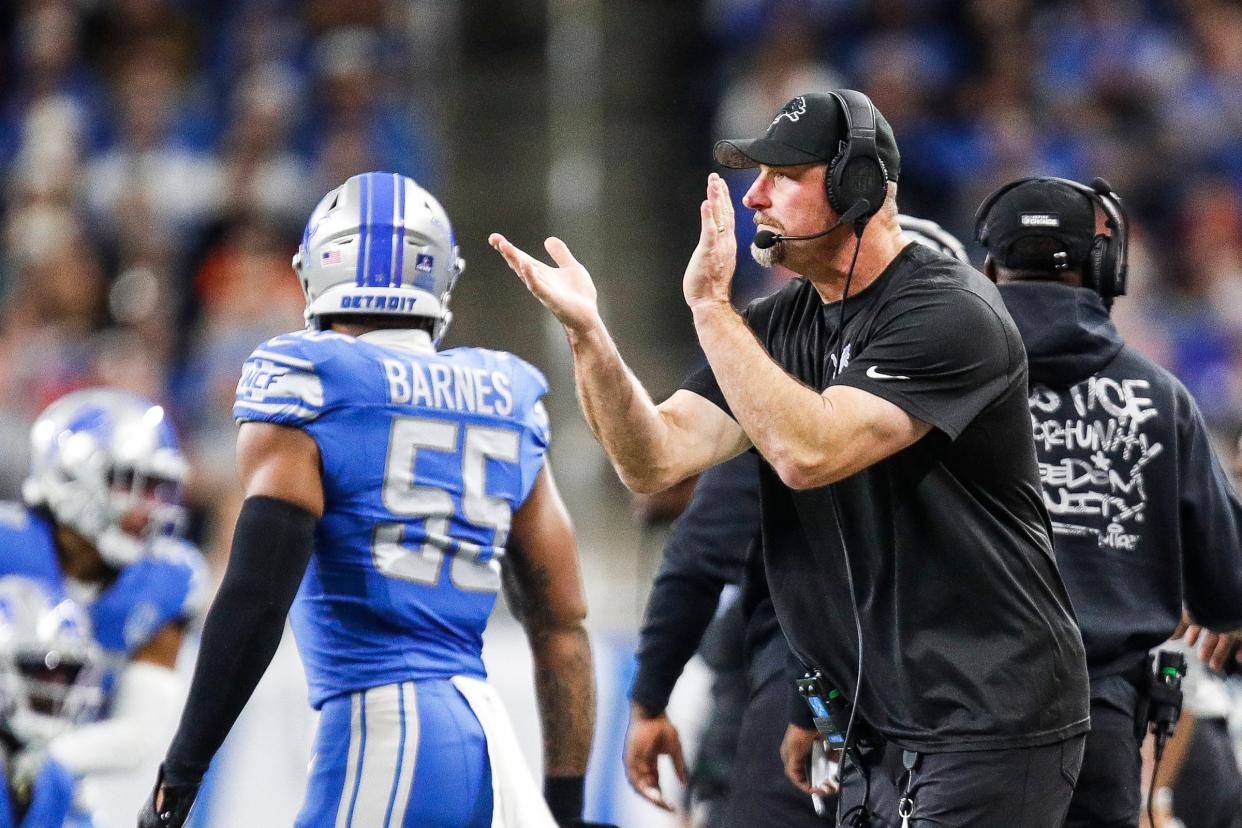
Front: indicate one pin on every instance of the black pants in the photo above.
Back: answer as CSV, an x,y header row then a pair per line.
x,y
1208,791
1018,788
1109,786
760,793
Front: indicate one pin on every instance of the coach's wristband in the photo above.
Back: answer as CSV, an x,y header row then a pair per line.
x,y
565,795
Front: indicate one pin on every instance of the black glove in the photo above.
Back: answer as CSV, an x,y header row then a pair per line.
x,y
176,806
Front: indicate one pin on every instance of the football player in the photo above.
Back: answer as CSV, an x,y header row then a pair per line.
x,y
100,525
49,682
398,486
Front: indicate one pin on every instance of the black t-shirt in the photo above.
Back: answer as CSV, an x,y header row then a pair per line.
x,y
969,639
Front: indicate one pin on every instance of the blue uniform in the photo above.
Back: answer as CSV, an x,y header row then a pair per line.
x,y
146,596
425,456
51,802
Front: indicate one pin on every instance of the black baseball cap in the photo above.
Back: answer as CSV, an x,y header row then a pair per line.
x,y
807,130
1037,224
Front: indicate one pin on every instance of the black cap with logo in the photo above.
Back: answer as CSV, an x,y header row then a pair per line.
x,y
1037,224
808,130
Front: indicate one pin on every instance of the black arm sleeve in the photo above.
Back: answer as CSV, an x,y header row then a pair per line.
x,y
1211,527
705,551
271,548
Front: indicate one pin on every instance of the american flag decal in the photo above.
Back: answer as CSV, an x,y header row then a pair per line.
x,y
330,257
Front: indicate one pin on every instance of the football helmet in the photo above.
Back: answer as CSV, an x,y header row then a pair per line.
x,y
50,670
378,244
930,234
106,463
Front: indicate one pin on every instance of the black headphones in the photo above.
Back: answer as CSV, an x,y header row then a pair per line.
x,y
856,172
1107,262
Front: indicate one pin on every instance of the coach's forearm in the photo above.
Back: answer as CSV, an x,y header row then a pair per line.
x,y
565,689
620,412
789,423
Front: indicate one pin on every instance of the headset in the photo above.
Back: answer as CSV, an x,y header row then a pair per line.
x,y
857,173
1107,262
856,180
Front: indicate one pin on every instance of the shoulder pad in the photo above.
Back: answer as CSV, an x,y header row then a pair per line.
x,y
280,381
166,586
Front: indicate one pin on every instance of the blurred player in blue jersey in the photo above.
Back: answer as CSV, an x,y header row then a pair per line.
x,y
99,526
49,683
393,488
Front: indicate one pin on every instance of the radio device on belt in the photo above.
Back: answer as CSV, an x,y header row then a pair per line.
x,y
1160,703
830,710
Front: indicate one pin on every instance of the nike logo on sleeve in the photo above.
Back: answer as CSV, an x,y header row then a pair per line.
x,y
875,373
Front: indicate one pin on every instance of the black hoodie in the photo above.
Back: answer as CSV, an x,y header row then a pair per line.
x,y
1143,515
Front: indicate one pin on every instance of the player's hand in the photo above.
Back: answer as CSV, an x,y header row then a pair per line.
x,y
1214,648
796,756
566,290
709,275
649,738
168,806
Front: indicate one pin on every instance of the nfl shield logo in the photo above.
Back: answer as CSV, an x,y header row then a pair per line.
x,y
423,263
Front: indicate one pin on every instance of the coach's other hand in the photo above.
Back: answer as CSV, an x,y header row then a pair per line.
x,y
168,806
649,738
796,756
566,290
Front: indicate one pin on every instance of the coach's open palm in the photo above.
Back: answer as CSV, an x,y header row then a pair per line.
x,y
709,274
566,290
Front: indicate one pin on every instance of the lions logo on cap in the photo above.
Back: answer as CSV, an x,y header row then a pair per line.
x,y
793,110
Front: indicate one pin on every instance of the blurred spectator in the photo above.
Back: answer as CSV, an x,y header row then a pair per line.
x,y
354,99
150,183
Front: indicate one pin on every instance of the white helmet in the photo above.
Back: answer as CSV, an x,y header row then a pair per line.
x,y
930,234
50,671
378,244
97,454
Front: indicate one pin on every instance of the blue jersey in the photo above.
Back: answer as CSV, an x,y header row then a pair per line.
x,y
425,456
51,802
165,586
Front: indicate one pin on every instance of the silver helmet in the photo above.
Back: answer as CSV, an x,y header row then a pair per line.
x,y
50,670
378,244
98,455
930,234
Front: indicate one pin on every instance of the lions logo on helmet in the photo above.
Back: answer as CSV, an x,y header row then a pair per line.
x,y
106,464
930,234
378,244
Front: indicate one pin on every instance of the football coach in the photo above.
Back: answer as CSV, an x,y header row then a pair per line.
x,y
905,538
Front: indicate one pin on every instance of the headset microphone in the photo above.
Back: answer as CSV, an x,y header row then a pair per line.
x,y
766,238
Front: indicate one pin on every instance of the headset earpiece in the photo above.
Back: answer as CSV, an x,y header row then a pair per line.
x,y
1097,264
857,172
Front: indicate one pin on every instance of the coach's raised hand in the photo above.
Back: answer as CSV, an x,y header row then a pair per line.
x,y
566,290
709,274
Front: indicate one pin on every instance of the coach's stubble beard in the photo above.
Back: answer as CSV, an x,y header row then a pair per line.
x,y
769,257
